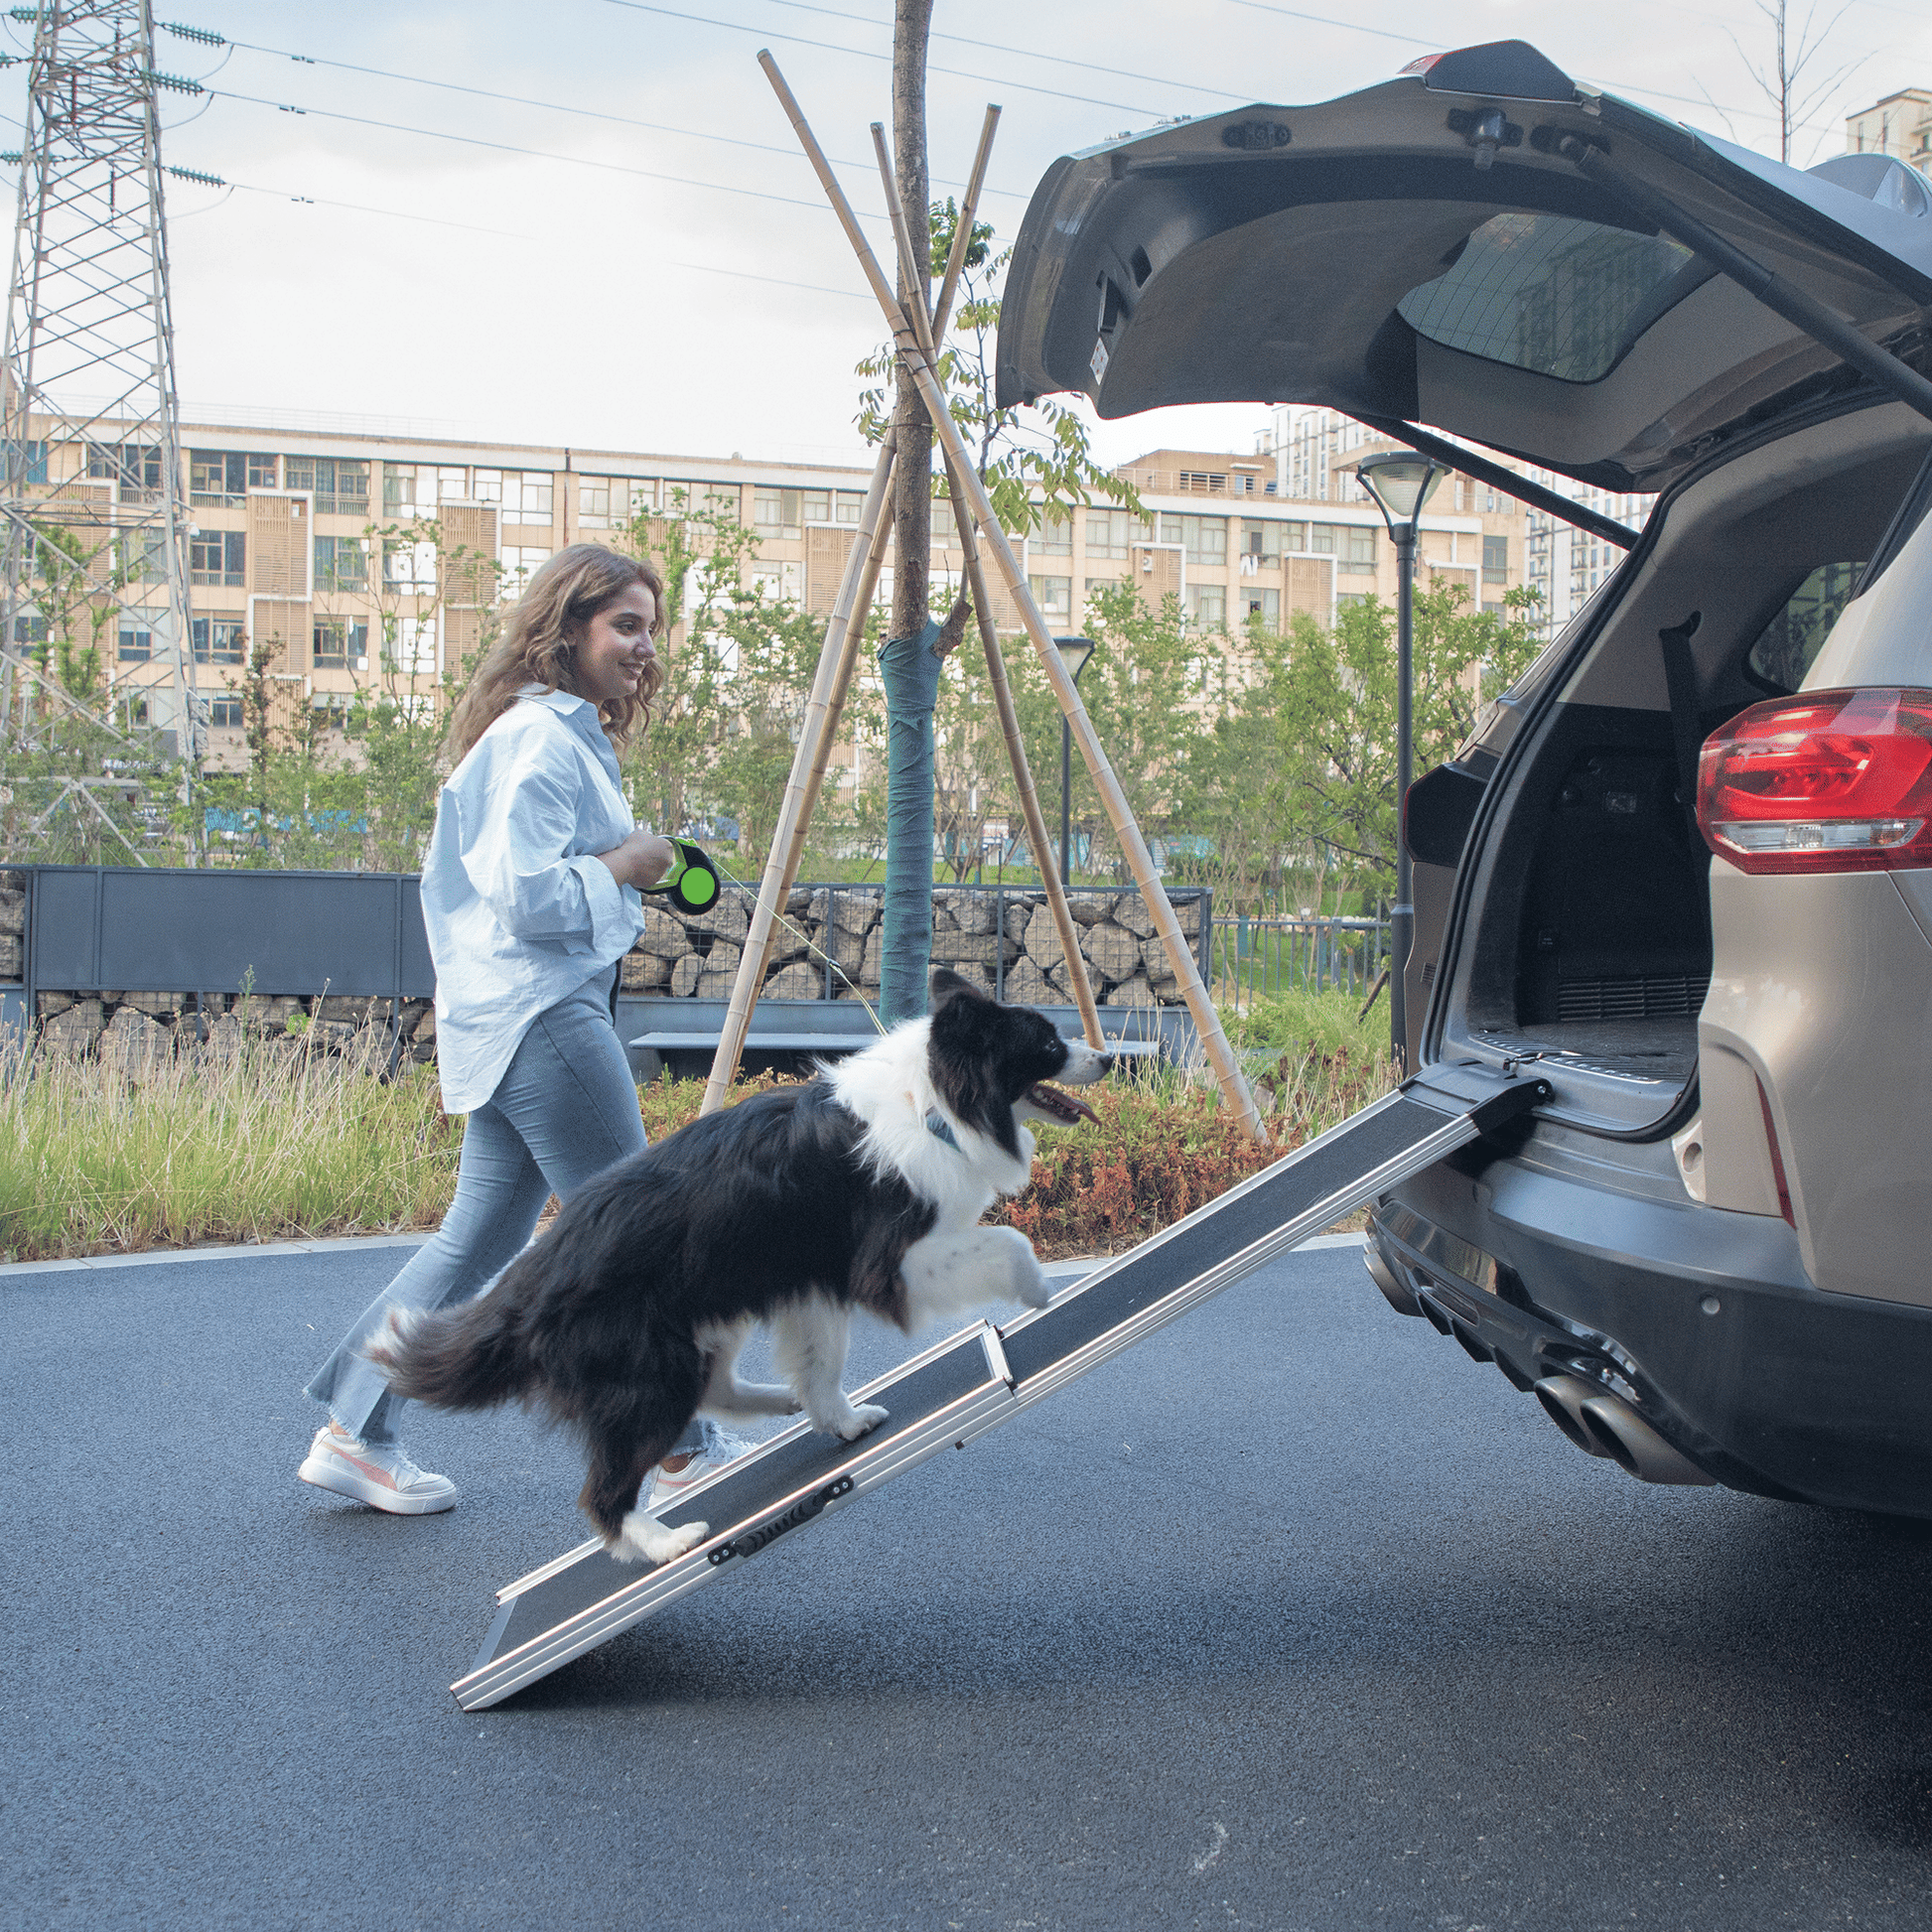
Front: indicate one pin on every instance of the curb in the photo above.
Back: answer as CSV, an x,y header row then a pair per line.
x,y
240,1251
268,1250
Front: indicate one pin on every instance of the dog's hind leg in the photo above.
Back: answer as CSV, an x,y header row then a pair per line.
x,y
809,1341
725,1394
627,1438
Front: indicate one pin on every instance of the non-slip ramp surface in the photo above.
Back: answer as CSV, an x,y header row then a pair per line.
x,y
977,1379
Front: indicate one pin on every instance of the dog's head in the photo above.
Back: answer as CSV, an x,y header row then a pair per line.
x,y
992,1063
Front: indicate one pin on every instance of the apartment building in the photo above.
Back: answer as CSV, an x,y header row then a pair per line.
x,y
1899,125
310,542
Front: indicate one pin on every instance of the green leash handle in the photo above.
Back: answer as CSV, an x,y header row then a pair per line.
x,y
692,884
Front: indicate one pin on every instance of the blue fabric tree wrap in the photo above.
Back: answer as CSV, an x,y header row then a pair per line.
x,y
911,672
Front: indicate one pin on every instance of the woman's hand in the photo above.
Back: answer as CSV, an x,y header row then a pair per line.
x,y
640,861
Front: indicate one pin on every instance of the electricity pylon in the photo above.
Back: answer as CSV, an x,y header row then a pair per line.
x,y
92,512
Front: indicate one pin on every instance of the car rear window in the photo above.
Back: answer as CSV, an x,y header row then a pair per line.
x,y
1549,293
1789,644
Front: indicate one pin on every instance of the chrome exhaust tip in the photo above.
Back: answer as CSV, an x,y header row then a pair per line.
x,y
1562,1398
1628,1440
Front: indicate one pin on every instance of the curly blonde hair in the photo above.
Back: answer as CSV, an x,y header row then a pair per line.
x,y
539,640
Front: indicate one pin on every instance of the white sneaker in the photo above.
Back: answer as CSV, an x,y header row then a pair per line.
x,y
669,1485
376,1473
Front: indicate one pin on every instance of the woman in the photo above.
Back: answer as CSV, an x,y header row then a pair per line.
x,y
530,900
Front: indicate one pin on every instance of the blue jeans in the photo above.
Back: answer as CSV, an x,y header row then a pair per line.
x,y
564,1110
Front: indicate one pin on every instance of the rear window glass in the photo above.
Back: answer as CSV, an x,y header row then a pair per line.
x,y
1549,293
1789,644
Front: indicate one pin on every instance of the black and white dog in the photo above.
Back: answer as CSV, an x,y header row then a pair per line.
x,y
862,1190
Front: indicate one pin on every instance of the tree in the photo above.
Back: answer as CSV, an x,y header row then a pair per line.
x,y
1333,696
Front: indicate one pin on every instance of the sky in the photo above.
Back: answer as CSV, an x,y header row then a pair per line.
x,y
633,255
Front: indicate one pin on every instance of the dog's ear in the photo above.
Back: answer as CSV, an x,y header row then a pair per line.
x,y
947,985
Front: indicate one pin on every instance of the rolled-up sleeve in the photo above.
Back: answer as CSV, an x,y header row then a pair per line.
x,y
517,859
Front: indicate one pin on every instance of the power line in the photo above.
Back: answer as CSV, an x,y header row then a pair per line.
x,y
1026,53
534,154
865,53
555,106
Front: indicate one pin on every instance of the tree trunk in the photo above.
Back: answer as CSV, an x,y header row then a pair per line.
x,y
912,486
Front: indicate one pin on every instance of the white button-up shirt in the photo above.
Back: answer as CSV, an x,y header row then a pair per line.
x,y
519,912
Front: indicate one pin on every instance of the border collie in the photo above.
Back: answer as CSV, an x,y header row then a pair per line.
x,y
860,1190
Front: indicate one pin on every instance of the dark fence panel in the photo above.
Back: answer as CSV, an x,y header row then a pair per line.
x,y
157,929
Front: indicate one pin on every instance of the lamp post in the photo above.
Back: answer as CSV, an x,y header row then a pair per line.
x,y
1400,485
1074,652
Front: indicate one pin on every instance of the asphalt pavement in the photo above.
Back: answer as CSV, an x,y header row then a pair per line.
x,y
1291,1617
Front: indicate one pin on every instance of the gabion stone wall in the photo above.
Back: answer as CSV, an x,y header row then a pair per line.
x,y
697,957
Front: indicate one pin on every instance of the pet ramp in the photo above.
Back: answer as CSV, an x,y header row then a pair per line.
x,y
975,1380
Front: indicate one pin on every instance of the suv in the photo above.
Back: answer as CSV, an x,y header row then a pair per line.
x,y
1685,866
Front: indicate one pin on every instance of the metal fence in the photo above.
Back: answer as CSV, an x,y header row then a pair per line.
x,y
1250,958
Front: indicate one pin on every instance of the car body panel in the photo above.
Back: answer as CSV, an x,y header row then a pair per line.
x,y
1199,263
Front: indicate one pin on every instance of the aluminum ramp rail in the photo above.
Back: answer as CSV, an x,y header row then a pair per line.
x,y
974,1380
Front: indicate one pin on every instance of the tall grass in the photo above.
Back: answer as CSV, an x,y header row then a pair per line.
x,y
282,1142
263,1146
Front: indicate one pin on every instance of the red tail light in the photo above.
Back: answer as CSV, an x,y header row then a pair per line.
x,y
1828,782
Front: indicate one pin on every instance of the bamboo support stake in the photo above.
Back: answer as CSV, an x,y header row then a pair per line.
x,y
808,765
1234,1088
843,635
996,670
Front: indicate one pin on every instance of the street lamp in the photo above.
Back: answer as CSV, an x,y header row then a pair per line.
x,y
1074,652
1399,485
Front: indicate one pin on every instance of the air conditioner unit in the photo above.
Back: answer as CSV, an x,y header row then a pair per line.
x,y
1147,562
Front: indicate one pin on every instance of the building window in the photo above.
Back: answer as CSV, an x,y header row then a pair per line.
x,y
849,507
408,567
486,486
1053,538
1206,604
224,714
217,478
1266,605
1495,560
1053,595
593,495
416,646
399,489
1113,533
1344,599
31,629
216,641
340,644
31,458
528,496
1323,538
1204,539
341,488
817,506
341,564
519,560
219,557
778,513
137,647
1263,540
134,466
261,473
1357,555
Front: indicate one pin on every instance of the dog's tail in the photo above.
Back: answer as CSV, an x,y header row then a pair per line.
x,y
468,1357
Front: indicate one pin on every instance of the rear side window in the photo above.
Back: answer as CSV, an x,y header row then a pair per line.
x,y
1789,644
1549,293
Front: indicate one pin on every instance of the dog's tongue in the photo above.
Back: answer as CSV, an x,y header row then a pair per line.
x,y
1061,1104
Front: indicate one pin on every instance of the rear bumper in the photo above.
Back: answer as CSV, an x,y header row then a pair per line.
x,y
1703,1321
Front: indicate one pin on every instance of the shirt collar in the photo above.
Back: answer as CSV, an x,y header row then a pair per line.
x,y
578,713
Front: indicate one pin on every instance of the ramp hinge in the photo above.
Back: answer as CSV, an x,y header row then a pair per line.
x,y
803,1511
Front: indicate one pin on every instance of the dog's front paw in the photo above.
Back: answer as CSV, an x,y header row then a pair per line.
x,y
1029,1284
859,1420
645,1540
